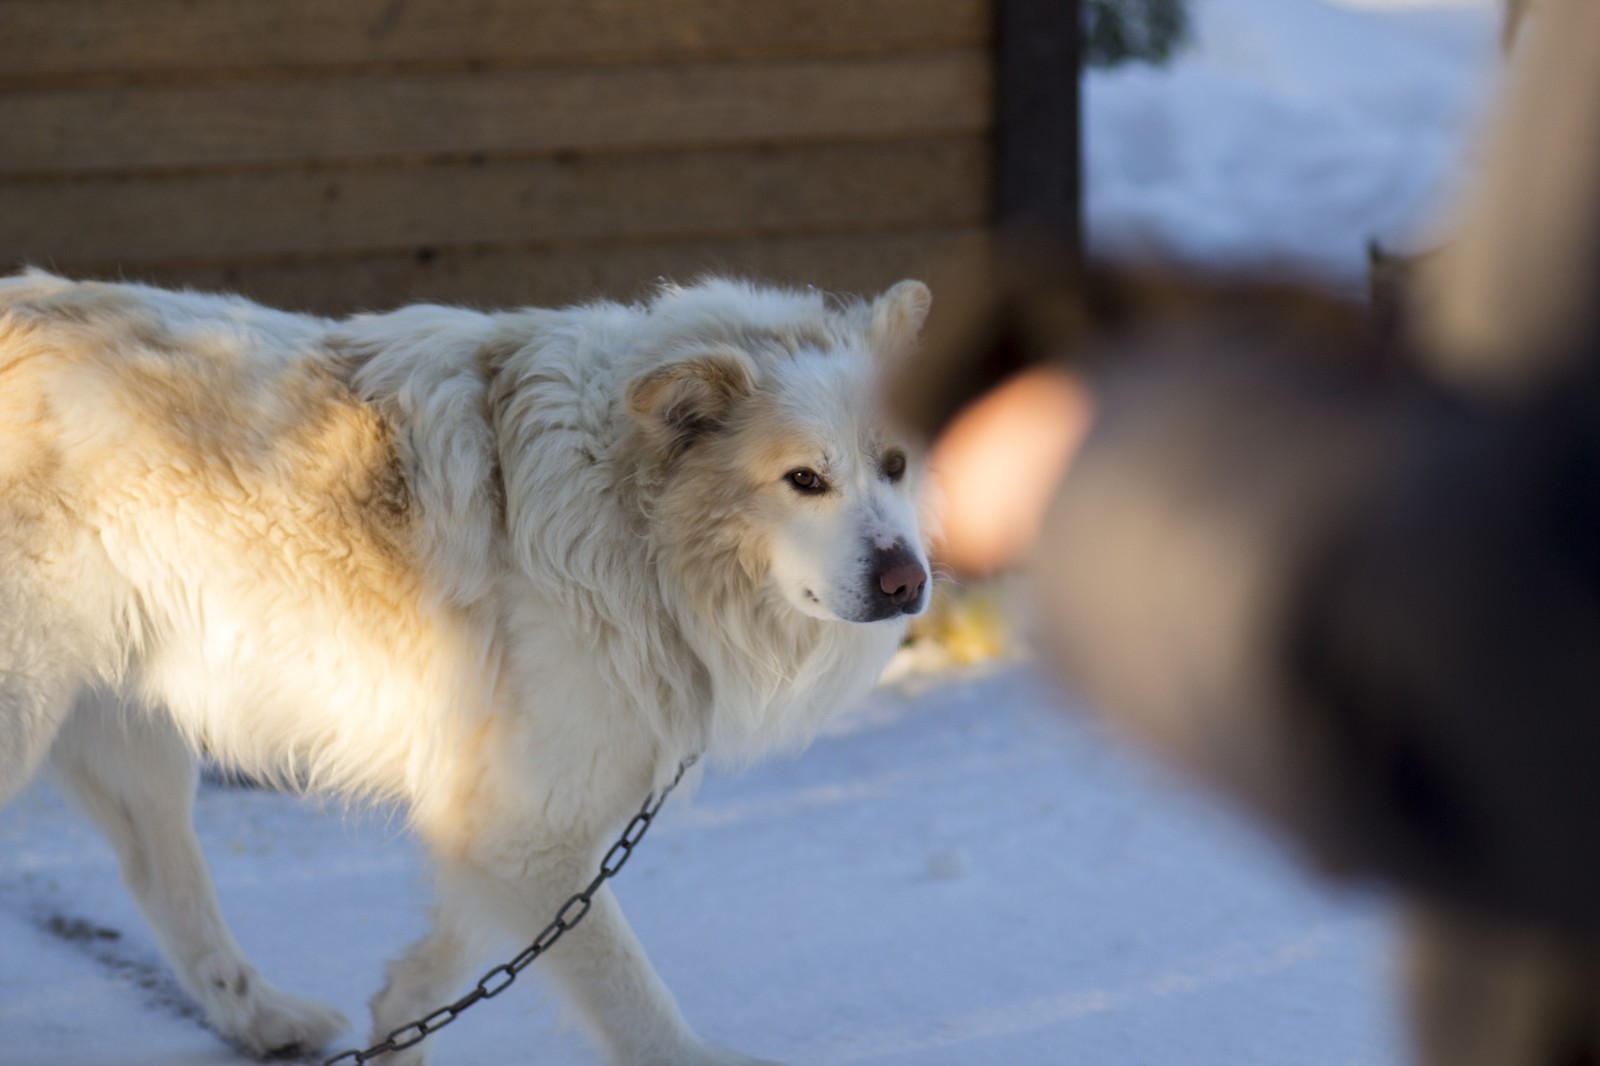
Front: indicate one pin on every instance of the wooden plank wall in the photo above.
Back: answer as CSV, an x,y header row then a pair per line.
x,y
339,154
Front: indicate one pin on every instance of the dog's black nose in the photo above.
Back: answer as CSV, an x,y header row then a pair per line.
x,y
903,582
899,581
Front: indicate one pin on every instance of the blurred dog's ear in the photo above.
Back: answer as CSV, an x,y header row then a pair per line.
x,y
1024,308
1508,306
687,398
897,319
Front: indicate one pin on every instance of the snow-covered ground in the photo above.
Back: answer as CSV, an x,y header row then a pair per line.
x,y
956,873
1295,131
963,871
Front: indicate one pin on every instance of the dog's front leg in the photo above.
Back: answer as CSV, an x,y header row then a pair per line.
x,y
426,977
606,976
598,964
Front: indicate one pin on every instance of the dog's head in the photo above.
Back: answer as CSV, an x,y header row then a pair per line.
x,y
777,473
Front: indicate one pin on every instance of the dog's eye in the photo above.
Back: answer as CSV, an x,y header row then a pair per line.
x,y
807,481
894,466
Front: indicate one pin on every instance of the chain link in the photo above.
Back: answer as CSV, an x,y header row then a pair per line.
x,y
500,978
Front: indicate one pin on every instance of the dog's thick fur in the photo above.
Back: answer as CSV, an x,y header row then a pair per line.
x,y
504,571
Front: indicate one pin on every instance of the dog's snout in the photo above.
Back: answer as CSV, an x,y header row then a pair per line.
x,y
899,581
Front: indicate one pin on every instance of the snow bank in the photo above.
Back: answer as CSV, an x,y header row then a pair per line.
x,y
1291,131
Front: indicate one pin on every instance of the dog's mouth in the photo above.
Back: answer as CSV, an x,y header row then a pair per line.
x,y
886,607
889,612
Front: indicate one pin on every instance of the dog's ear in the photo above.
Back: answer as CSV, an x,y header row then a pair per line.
x,y
688,398
897,318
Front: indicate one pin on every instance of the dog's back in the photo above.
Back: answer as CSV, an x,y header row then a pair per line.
x,y
182,477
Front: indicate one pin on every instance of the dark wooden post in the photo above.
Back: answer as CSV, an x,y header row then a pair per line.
x,y
1039,176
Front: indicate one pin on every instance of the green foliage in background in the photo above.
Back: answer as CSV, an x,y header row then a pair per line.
x,y
1116,31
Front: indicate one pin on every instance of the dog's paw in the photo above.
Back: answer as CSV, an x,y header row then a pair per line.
x,y
262,1019
283,1023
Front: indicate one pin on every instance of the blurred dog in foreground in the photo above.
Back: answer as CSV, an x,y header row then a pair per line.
x,y
503,570
1352,581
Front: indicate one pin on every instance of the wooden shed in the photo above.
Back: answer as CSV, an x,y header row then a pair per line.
x,y
334,155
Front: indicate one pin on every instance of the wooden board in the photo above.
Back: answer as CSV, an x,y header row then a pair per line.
x,y
105,40
670,196
422,116
511,277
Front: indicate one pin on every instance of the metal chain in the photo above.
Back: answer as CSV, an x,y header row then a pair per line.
x,y
500,978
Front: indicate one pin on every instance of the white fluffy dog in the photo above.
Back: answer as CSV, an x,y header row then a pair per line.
x,y
505,570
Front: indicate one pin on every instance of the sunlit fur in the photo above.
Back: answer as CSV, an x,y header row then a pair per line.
x,y
503,571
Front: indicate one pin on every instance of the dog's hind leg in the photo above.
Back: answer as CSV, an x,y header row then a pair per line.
x,y
136,778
